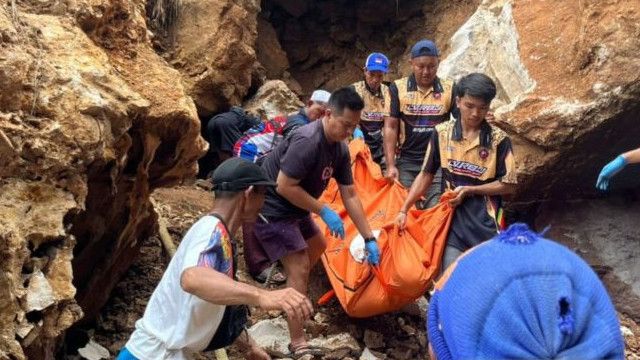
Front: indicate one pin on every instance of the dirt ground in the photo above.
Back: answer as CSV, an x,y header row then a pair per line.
x,y
403,335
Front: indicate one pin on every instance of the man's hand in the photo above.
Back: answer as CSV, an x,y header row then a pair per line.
x,y
358,134
608,171
373,252
490,117
392,173
289,300
333,221
401,220
461,193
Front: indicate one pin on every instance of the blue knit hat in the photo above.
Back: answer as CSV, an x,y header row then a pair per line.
x,y
520,296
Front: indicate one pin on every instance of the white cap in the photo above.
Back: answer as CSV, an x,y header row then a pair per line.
x,y
320,96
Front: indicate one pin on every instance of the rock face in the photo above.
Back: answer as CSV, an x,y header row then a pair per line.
x,y
92,121
214,51
573,88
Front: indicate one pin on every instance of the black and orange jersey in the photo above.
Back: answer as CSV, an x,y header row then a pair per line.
x,y
487,158
375,109
419,111
373,114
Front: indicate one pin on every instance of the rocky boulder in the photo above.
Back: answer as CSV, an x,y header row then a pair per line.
x,y
273,98
214,51
569,84
92,121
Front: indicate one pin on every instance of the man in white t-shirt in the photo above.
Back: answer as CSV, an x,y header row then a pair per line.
x,y
198,305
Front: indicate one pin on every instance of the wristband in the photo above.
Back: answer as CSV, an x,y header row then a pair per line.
x,y
369,239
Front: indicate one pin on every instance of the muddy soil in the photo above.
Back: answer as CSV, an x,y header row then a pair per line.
x,y
403,335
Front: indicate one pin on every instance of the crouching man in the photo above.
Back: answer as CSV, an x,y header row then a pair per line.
x,y
198,305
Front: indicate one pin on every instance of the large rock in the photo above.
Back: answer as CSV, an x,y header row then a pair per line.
x,y
92,121
273,98
573,88
214,52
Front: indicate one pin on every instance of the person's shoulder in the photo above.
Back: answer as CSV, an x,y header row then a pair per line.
x,y
306,132
498,135
358,87
398,83
447,84
446,126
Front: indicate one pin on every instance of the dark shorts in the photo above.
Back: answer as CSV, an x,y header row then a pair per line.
x,y
279,238
224,131
408,171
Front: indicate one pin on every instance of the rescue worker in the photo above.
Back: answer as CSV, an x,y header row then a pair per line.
x,y
418,103
375,93
477,162
302,166
198,305
313,111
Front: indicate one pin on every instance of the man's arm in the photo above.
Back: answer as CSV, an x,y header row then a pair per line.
x,y
355,210
493,188
217,288
390,131
418,187
390,142
632,157
291,190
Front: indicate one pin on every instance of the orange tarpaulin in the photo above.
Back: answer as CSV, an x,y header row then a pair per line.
x,y
409,260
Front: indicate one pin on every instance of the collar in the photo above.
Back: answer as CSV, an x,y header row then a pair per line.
x,y
377,94
484,137
304,116
412,84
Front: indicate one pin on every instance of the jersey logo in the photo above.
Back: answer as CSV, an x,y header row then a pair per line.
x,y
428,109
327,172
484,153
465,168
372,116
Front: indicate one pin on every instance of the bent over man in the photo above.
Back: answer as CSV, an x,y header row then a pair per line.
x,y
196,305
302,166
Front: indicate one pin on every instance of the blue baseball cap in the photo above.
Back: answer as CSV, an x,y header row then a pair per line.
x,y
424,48
520,296
377,62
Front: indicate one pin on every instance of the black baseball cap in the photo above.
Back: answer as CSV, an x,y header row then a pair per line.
x,y
237,174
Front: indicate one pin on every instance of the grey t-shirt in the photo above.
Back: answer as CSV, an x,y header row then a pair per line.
x,y
306,155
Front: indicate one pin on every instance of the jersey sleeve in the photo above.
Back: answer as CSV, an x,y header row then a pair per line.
x,y
210,248
392,107
343,174
506,165
431,162
453,109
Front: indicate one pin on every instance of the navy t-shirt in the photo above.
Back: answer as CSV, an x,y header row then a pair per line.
x,y
308,156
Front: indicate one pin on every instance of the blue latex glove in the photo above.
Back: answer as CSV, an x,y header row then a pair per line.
x,y
333,221
608,171
358,134
373,251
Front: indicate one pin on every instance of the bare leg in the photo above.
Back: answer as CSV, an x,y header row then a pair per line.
x,y
297,267
317,246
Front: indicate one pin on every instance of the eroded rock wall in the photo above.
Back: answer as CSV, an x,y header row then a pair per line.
x,y
91,121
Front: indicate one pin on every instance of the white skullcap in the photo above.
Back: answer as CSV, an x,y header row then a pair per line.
x,y
321,96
